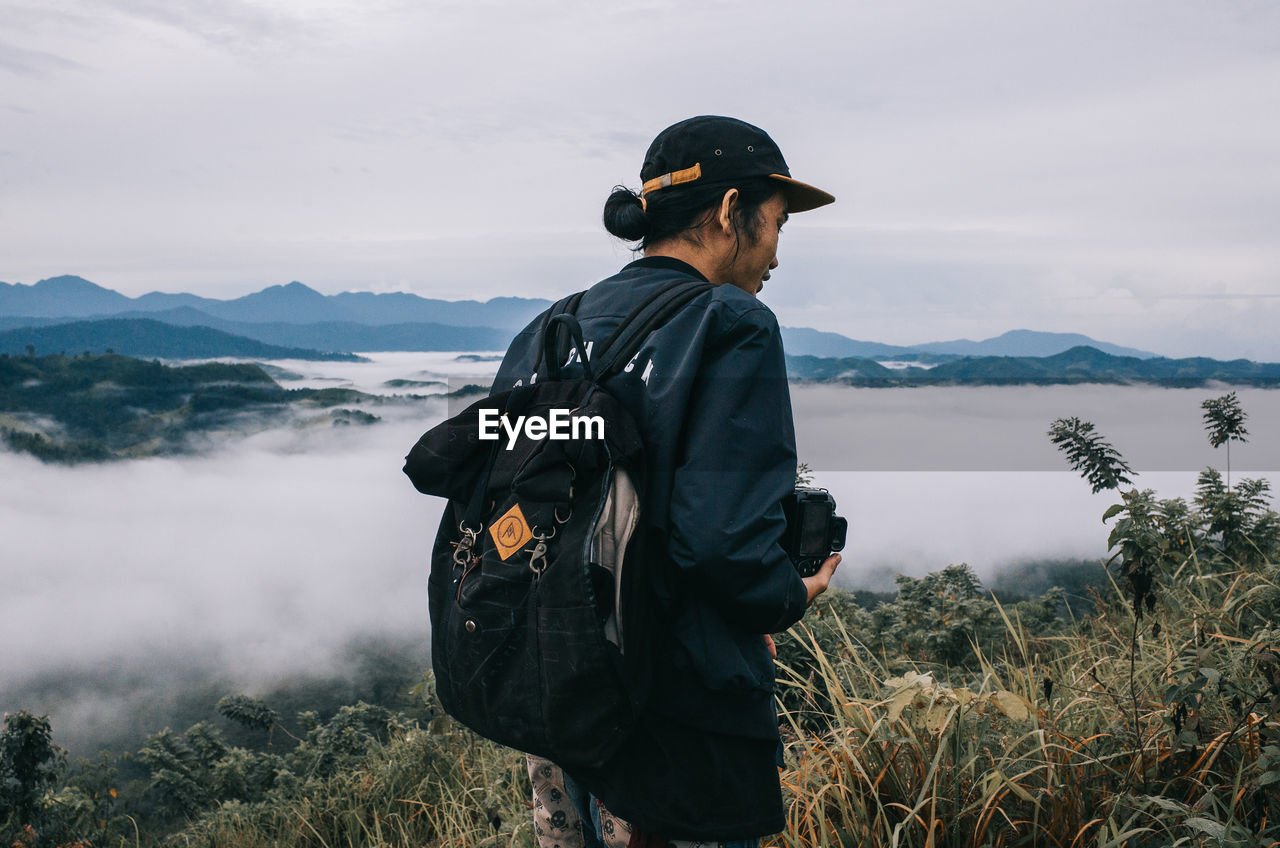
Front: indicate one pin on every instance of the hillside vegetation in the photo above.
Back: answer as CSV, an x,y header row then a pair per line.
x,y
91,408
146,337
939,717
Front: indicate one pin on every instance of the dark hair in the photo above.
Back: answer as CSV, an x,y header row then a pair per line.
x,y
677,212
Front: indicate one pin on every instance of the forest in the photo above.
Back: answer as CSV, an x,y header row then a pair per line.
x,y
96,407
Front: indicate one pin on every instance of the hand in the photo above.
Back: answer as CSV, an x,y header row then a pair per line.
x,y
818,583
768,643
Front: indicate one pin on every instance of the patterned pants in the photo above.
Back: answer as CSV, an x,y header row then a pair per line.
x,y
559,822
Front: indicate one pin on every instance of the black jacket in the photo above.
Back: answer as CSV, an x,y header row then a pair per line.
x,y
709,392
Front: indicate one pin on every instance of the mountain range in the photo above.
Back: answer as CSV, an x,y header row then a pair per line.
x,y
801,341
296,316
76,297
1081,364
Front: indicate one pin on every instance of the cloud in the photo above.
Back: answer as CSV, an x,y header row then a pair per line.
x,y
265,558
267,553
33,63
982,153
239,26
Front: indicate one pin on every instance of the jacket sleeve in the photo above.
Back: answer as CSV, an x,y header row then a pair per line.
x,y
739,460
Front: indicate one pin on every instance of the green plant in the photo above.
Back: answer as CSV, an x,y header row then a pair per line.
x,y
947,618
1089,453
1224,419
1229,534
30,767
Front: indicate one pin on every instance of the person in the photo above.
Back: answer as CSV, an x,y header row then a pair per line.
x,y
709,391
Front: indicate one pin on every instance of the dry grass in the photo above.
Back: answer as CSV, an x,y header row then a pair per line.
x,y
1102,759
422,789
1159,731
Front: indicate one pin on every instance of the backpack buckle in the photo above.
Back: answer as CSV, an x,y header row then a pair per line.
x,y
538,559
462,548
538,556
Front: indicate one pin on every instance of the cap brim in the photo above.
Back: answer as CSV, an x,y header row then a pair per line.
x,y
801,197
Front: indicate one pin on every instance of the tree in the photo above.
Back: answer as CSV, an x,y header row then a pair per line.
x,y
30,766
1224,419
943,616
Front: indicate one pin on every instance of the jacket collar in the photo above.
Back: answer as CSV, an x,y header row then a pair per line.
x,y
667,263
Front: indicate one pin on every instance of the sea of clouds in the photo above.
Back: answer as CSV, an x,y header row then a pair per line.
x,y
265,557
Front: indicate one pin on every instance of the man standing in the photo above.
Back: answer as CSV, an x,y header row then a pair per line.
x,y
709,391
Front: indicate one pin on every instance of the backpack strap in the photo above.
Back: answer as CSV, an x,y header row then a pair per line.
x,y
517,402
626,340
563,306
518,398
615,353
550,338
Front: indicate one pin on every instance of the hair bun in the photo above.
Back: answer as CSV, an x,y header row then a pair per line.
x,y
624,215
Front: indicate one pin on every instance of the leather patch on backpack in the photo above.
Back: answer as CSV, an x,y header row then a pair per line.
x,y
510,532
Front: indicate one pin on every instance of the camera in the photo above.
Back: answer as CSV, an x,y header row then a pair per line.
x,y
814,531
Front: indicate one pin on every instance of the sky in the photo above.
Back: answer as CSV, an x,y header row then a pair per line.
x,y
1101,167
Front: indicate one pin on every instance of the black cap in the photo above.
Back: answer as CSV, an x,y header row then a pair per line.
x,y
714,149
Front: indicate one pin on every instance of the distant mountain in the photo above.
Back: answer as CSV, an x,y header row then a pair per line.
x,y
295,303
1077,365
800,341
341,335
1028,343
507,313
409,322
346,335
143,337
13,322
61,297
156,301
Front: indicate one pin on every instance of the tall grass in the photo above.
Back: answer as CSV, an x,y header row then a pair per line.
x,y
1121,730
1115,730
423,788
1110,732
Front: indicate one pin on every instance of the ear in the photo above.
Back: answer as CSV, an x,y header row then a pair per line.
x,y
728,204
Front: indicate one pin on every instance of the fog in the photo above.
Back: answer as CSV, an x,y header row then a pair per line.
x,y
287,539
260,560
267,556
933,476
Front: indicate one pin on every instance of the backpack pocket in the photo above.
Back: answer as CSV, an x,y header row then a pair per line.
x,y
487,669
587,709
481,644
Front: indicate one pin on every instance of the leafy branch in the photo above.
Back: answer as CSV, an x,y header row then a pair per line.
x,y
1093,456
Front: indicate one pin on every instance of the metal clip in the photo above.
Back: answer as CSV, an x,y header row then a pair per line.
x,y
538,559
462,549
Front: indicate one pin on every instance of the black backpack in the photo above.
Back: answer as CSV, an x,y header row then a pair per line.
x,y
541,589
